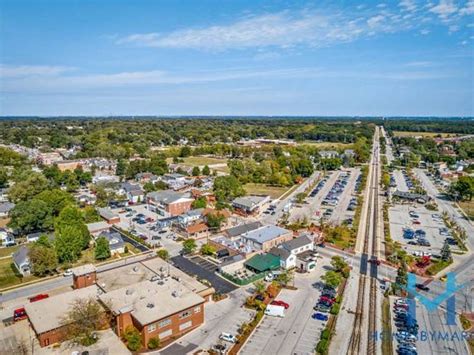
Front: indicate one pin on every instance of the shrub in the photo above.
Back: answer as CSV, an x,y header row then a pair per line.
x,y
322,347
335,308
325,334
133,338
154,343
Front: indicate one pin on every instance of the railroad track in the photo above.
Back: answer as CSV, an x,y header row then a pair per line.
x,y
357,329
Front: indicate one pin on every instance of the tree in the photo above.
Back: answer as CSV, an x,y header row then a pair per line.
x,y
402,274
189,245
43,259
102,248
208,249
27,189
133,338
285,277
4,178
121,167
196,171
68,244
332,279
30,216
463,188
90,215
446,252
163,254
215,220
84,318
338,263
206,171
259,287
185,152
300,197
200,202
227,188
71,216
56,200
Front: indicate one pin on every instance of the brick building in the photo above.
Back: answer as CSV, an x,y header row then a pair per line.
x,y
84,276
168,203
162,308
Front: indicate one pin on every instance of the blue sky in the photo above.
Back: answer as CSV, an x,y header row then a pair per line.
x,y
222,57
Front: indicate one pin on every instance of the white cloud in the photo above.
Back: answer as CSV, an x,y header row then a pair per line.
x,y
425,31
408,5
444,9
11,71
468,8
375,21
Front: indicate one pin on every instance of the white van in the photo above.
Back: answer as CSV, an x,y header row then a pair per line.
x,y
275,311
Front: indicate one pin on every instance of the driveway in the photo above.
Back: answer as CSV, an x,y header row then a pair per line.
x,y
220,285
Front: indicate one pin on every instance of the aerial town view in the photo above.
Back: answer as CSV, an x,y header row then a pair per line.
x,y
236,177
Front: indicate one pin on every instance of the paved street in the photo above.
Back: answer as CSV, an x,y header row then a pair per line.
x,y
400,180
297,333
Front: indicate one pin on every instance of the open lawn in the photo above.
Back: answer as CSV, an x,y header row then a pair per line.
x,y
8,251
327,145
422,134
468,208
9,275
200,161
262,189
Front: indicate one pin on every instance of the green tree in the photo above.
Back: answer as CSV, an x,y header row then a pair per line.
x,y
446,252
43,259
206,171
227,188
121,167
27,189
30,216
260,287
56,200
200,202
208,249
215,220
163,254
338,263
300,197
90,215
189,245
133,338
332,278
185,152
402,274
102,249
3,178
84,318
154,343
196,171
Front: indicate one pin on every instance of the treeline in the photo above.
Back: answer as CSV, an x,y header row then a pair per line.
x,y
440,126
124,138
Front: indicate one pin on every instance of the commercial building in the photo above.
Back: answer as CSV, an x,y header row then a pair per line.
x,y
84,276
47,316
266,237
168,203
161,309
249,205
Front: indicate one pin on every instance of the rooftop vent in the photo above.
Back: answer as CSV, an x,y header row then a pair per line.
x,y
129,291
150,305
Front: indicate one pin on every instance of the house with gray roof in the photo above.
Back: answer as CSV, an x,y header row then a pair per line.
x,y
250,204
116,243
168,203
296,252
266,237
5,207
236,231
22,261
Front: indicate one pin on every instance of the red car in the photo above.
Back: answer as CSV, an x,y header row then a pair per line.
x,y
19,314
280,303
326,299
416,221
39,297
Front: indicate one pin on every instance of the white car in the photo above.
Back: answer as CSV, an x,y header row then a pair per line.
x,y
228,337
68,272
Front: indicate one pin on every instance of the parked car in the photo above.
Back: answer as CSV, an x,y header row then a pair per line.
x,y
228,337
320,316
39,297
280,303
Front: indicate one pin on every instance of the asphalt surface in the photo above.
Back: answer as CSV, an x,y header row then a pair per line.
x,y
127,239
220,285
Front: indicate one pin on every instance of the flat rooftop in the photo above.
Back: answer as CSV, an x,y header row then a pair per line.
x,y
265,233
150,301
125,275
47,314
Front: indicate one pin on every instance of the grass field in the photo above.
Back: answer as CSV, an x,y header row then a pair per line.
x,y
327,145
422,134
468,208
262,189
9,276
196,161
8,251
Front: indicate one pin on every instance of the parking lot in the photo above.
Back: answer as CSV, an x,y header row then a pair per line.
x,y
145,229
401,220
196,267
297,332
400,182
223,316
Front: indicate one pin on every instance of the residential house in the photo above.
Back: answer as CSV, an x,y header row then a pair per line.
x,y
143,178
196,231
116,243
327,154
6,239
4,194
168,203
110,216
190,217
5,208
133,192
22,261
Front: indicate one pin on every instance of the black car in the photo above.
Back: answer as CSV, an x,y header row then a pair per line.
x,y
422,287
